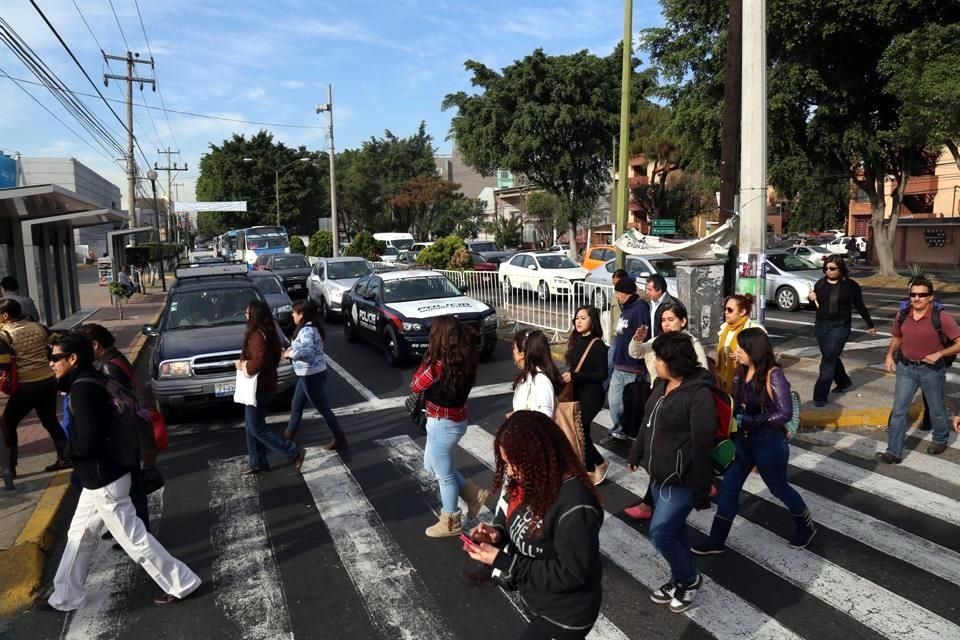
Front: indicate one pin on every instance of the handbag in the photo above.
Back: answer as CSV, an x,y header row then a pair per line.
x,y
159,424
8,377
151,479
245,388
567,412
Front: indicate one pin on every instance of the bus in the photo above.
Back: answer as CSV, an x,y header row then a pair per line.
x,y
257,241
226,245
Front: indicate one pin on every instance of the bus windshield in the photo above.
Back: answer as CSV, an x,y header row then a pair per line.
x,y
266,241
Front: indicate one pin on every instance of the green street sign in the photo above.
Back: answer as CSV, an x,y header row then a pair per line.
x,y
663,226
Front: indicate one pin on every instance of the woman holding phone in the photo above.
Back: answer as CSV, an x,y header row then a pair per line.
x,y
546,542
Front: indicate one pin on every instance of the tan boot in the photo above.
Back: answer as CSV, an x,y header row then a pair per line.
x,y
448,525
474,496
599,472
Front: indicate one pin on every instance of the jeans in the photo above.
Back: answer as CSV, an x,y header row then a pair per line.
x,y
606,383
311,387
442,438
668,530
831,337
618,381
259,435
931,381
32,396
768,451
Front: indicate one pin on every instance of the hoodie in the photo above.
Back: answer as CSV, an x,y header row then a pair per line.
x,y
634,313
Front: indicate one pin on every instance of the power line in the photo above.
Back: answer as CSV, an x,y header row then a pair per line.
x,y
117,18
157,84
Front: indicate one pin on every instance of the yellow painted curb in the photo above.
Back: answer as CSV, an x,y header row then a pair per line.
x,y
840,417
21,572
37,529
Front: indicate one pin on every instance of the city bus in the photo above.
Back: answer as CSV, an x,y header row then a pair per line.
x,y
257,241
225,245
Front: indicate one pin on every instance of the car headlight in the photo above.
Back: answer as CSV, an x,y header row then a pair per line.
x,y
490,320
287,308
412,326
175,369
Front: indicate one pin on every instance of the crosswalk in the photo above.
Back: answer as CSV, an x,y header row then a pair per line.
x,y
886,563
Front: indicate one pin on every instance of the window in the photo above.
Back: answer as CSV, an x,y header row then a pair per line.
x,y
609,254
419,289
597,254
349,269
193,309
373,289
557,262
268,286
517,261
290,262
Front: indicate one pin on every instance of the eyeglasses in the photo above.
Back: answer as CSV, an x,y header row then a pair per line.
x,y
57,357
730,310
919,295
831,269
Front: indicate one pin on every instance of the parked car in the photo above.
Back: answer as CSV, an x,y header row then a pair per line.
x,y
839,244
790,279
489,250
409,256
597,255
482,264
331,278
390,254
559,248
291,268
543,272
813,253
276,296
394,310
639,267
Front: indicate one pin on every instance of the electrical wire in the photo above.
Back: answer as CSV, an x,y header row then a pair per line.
x,y
117,18
156,82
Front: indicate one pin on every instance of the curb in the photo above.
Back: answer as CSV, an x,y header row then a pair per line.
x,y
840,418
22,565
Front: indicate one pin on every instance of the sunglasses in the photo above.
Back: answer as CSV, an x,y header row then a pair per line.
x,y
919,295
730,310
57,357
831,269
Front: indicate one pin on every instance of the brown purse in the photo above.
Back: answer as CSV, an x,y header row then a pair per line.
x,y
567,413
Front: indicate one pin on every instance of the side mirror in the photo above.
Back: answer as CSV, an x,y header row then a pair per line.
x,y
532,267
150,330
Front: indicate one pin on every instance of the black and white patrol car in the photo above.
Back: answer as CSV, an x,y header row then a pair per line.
x,y
393,310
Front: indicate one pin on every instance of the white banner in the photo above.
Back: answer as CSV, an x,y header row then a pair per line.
x,y
190,207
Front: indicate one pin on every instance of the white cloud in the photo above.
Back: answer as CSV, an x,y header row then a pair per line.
x,y
294,84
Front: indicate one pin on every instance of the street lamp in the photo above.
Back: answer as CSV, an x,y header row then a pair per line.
x,y
276,179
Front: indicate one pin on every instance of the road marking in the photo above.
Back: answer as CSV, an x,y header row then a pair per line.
x,y
810,352
809,323
396,600
718,610
110,581
247,585
353,382
404,453
885,612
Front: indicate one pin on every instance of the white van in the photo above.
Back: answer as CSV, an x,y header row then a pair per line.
x,y
401,241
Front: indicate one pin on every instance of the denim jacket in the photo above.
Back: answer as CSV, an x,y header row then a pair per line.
x,y
776,411
308,351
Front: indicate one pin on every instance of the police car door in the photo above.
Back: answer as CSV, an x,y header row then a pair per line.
x,y
368,310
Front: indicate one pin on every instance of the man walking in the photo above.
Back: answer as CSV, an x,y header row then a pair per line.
x,y
105,496
10,288
657,293
923,337
634,313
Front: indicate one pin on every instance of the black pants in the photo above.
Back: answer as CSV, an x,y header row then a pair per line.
x,y
589,408
32,396
540,629
832,338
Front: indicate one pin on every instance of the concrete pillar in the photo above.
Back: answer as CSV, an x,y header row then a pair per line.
x,y
700,289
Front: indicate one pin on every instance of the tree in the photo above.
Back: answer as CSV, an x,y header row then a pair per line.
x,y
462,216
365,246
544,210
546,118
441,253
420,199
297,246
506,231
321,244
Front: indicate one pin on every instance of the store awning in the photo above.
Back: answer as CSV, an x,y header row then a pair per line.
x,y
36,202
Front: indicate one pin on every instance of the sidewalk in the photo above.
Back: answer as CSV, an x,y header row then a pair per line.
x,y
27,513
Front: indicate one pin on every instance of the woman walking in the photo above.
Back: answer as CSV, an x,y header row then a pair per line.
x,y
762,405
587,358
445,377
835,295
306,352
537,384
675,444
260,357
546,544
23,347
736,318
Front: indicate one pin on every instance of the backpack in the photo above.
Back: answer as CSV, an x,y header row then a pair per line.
x,y
723,447
793,424
131,429
935,319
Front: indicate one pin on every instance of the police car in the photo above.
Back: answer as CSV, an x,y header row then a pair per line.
x,y
393,310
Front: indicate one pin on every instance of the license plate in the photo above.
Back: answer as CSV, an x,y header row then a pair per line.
x,y
223,389
297,286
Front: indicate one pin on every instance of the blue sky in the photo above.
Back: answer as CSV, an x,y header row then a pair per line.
x,y
390,63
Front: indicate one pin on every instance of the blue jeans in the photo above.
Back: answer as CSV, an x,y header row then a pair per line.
x,y
768,451
260,437
832,338
606,383
668,530
931,381
618,381
442,438
312,387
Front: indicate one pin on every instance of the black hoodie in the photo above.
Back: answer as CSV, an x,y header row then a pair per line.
x,y
675,442
91,411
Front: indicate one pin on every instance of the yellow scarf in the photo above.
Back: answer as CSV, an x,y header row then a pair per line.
x,y
727,366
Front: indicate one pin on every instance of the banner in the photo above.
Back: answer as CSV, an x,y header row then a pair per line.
x,y
712,246
191,207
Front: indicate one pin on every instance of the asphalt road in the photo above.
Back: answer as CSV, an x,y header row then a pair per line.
x,y
339,552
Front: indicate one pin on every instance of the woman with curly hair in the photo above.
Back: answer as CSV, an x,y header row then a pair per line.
x,y
587,361
538,382
545,540
445,377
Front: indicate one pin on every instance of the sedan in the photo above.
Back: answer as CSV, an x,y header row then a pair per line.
x,y
545,273
291,268
331,278
815,254
639,267
789,279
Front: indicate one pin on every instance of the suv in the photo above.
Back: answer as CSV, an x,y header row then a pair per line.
x,y
200,335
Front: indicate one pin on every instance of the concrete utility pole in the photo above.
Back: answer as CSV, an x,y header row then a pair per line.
x,y
131,59
623,195
171,216
730,117
753,156
328,107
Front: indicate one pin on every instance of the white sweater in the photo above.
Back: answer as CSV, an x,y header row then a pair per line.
x,y
536,394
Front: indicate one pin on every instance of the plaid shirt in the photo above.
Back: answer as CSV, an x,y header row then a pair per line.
x,y
425,377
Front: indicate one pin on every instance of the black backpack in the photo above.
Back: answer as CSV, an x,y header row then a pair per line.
x,y
935,319
131,431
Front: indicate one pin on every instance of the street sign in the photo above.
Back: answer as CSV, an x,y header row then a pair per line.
x,y
663,227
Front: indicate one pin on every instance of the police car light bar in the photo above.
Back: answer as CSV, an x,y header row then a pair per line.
x,y
200,270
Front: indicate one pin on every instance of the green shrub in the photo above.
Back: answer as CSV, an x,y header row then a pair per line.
x,y
321,245
441,254
365,246
297,246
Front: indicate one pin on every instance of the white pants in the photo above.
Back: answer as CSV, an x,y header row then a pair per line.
x,y
111,506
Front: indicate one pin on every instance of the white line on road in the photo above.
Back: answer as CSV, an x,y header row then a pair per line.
x,y
396,600
718,610
404,453
809,323
810,352
247,585
353,382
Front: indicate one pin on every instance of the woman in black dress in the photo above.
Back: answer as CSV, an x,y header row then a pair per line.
x,y
587,374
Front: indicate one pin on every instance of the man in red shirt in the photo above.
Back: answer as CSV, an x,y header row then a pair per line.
x,y
916,354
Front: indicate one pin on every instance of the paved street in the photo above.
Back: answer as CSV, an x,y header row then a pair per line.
x,y
339,552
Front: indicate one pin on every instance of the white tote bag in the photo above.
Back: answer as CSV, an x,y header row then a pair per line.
x,y
245,391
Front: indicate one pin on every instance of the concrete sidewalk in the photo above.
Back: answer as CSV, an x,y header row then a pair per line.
x,y
28,512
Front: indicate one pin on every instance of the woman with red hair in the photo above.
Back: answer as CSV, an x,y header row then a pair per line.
x,y
545,539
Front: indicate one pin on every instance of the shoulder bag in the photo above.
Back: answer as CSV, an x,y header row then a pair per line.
x,y
567,412
792,425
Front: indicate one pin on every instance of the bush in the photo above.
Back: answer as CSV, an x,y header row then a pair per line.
x,y
321,245
441,254
297,246
365,246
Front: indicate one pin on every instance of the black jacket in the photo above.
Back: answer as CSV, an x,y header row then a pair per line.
x,y
557,573
115,366
91,411
675,442
588,382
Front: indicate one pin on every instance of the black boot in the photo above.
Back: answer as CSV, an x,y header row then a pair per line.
x,y
719,531
805,530
61,462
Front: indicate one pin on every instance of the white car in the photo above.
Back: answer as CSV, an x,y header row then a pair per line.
x,y
330,278
543,272
839,244
390,254
815,254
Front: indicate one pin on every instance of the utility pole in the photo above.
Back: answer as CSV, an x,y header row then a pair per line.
x,y
131,59
328,107
170,171
730,135
623,196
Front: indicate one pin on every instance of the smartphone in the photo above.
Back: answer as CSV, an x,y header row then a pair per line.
x,y
470,541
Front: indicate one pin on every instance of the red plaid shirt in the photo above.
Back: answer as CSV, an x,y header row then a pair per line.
x,y
425,377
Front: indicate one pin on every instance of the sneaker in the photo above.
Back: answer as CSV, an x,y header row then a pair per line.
x,y
708,548
888,458
664,594
683,597
615,438
819,403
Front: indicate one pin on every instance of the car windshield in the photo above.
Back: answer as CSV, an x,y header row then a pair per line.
x,y
291,262
211,308
272,241
402,244
390,251
268,286
556,262
346,270
786,262
419,289
484,246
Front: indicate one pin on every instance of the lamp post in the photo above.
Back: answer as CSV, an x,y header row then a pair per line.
x,y
152,177
276,179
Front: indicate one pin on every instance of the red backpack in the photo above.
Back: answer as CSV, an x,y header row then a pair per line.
x,y
723,446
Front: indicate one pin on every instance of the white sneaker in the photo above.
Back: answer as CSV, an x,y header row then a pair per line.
x,y
683,597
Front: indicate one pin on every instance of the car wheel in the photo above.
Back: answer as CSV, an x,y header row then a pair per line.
x,y
543,291
324,309
348,331
507,289
391,347
599,299
788,299
488,350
